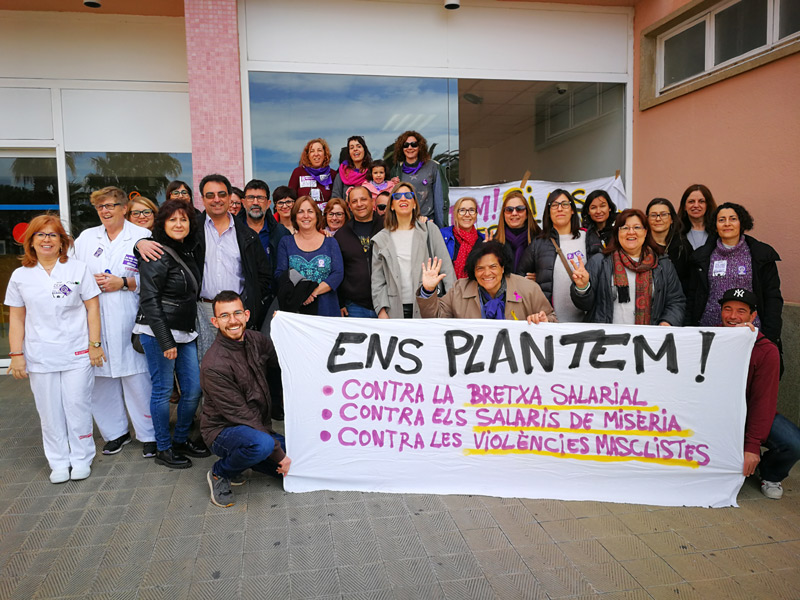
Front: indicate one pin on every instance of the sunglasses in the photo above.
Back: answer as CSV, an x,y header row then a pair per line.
x,y
401,195
513,209
381,207
411,145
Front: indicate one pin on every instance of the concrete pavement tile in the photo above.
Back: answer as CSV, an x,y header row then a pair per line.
x,y
91,535
305,498
306,515
352,531
60,584
469,589
722,588
440,522
766,586
265,516
358,552
393,526
679,591
521,586
217,567
363,578
681,518
173,548
311,557
22,588
431,591
774,556
49,520
456,566
744,534
466,519
266,562
117,595
667,544
20,563
492,538
489,501
736,561
608,577
587,508
713,516
547,510
605,526
223,589
646,522
173,592
75,559
410,572
628,547
266,587
558,583
371,595
695,567
181,527
650,572
343,497
779,530
168,572
707,538
457,502
527,534
121,577
105,515
222,543
45,539
316,533
543,556
511,515
586,552
345,512
424,503
385,505
223,522
567,531
312,584
404,546
501,562
637,594
137,531
449,542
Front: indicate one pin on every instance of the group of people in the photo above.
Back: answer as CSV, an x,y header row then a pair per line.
x,y
190,288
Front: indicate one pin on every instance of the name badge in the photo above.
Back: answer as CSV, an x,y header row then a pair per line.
x,y
61,289
131,262
573,257
720,268
307,182
742,270
98,252
316,195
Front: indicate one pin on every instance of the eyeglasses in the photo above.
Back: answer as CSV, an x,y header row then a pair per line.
x,y
336,215
401,195
381,207
634,228
179,193
658,216
556,205
109,206
411,145
467,211
280,203
41,235
252,198
145,212
512,209
225,316
211,195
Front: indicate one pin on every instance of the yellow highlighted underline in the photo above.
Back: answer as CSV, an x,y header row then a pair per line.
x,y
678,433
563,407
594,457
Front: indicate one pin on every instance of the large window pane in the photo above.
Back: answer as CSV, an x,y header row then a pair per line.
x,y
148,173
684,54
789,18
288,109
28,187
739,29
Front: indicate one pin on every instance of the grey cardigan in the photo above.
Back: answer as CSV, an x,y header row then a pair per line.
x,y
386,287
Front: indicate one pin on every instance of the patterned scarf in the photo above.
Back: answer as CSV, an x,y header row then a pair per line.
x,y
350,176
644,281
466,240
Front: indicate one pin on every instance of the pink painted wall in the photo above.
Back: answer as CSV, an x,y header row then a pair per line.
x,y
740,137
215,99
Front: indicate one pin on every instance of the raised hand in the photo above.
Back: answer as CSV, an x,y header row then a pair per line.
x,y
580,275
430,274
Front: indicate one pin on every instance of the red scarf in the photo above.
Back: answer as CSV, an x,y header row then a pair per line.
x,y
644,281
466,240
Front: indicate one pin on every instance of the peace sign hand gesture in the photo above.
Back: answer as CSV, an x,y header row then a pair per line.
x,y
580,275
430,274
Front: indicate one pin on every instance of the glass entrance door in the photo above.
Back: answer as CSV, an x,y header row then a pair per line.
x,y
28,187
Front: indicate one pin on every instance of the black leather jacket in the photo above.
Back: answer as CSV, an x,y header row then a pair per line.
x,y
167,293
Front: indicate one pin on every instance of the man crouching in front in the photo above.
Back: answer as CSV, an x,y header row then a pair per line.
x,y
236,423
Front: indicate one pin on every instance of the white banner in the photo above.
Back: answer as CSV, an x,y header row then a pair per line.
x,y
646,415
490,197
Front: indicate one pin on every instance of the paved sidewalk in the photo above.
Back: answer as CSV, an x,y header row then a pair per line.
x,y
137,530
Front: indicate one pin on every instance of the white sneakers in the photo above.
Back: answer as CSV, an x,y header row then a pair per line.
x,y
772,489
79,473
59,475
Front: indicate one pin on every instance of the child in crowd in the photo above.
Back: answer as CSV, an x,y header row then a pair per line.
x,y
376,179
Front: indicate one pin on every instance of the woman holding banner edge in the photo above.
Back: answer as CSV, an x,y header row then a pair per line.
x,y
629,283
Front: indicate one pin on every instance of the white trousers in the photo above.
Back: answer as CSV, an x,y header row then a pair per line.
x,y
64,402
108,406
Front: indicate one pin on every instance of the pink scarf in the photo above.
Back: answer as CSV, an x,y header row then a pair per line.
x,y
351,177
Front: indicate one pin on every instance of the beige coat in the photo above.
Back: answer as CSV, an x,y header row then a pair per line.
x,y
523,298
386,290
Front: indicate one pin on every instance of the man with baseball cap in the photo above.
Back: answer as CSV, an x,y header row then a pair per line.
x,y
764,426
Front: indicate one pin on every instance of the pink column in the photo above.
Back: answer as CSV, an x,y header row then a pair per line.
x,y
215,99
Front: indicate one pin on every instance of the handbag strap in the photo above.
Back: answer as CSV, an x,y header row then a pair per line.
x,y
174,255
563,258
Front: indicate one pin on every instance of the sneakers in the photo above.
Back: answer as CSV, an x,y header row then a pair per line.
x,y
114,446
238,479
149,449
772,489
59,475
221,493
172,459
79,473
194,449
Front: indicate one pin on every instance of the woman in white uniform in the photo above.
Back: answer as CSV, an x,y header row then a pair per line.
x,y
108,251
54,336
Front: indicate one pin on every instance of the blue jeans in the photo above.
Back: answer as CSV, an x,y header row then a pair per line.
x,y
162,371
783,450
241,447
358,311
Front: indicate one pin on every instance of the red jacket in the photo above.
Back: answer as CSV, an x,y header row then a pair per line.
x,y
761,393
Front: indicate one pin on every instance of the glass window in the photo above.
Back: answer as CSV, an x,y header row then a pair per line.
x,y
789,18
148,173
28,187
685,54
739,29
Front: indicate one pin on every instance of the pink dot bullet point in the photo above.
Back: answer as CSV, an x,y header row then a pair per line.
x,y
327,390
326,414
324,436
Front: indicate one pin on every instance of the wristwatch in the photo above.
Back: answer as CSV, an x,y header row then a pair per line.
x,y
94,344
124,284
